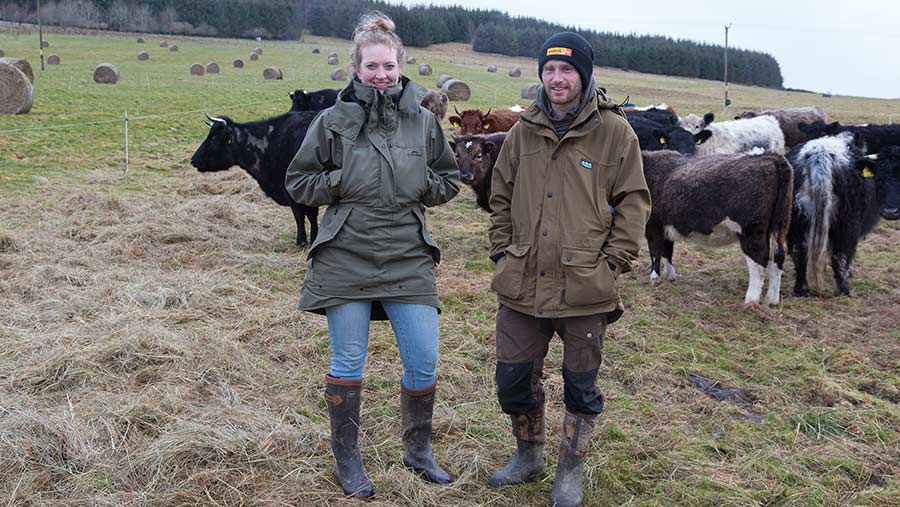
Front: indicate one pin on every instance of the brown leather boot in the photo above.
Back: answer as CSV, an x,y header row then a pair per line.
x,y
416,409
343,398
576,439
527,464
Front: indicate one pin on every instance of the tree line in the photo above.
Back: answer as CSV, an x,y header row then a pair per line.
x,y
488,31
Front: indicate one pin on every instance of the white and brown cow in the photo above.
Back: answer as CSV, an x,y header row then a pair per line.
x,y
717,200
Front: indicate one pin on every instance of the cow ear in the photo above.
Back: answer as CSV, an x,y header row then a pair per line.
x,y
454,121
708,118
702,136
832,128
487,147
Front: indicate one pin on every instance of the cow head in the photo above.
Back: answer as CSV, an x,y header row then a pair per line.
x,y
218,151
475,154
694,124
819,129
885,168
471,121
680,140
302,100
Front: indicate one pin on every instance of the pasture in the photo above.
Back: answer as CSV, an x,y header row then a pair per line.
x,y
151,352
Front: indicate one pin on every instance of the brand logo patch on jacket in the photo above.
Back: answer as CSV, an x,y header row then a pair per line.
x,y
414,153
586,164
559,51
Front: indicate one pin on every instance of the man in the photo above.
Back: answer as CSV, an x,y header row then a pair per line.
x,y
566,169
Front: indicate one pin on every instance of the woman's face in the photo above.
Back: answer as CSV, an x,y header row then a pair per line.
x,y
378,66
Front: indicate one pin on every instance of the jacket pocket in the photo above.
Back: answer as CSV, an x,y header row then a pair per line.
x,y
589,281
332,222
510,272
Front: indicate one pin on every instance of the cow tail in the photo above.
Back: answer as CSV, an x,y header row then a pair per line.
x,y
817,202
781,218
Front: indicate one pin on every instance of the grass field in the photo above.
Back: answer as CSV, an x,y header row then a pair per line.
x,y
151,353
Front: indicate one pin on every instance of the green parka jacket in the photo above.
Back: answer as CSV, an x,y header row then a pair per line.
x,y
376,161
553,203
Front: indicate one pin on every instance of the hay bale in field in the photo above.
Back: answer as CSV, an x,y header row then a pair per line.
x,y
443,78
212,68
163,43
492,68
143,56
53,60
45,44
16,90
174,47
332,60
530,91
197,70
515,72
456,90
257,50
238,63
424,69
106,73
254,56
338,75
410,60
316,51
332,54
140,40
272,73
21,64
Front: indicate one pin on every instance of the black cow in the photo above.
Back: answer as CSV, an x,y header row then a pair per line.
x,y
655,136
476,155
264,149
662,116
716,200
876,137
840,193
313,101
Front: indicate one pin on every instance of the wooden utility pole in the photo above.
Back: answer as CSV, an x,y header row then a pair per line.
x,y
40,33
727,102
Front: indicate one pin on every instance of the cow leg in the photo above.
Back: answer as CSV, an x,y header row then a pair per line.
x,y
773,295
654,235
312,214
668,269
297,210
798,256
755,286
756,253
843,250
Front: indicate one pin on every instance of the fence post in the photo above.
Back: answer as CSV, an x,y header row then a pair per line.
x,y
126,144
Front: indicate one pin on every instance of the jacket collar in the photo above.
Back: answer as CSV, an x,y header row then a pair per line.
x,y
588,118
348,115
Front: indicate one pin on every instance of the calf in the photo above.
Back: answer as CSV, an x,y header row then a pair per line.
x,y
876,137
789,120
839,195
654,136
436,102
476,155
716,200
264,149
693,123
741,136
473,121
313,101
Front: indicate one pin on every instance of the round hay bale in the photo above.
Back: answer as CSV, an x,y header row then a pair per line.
x,y
140,40
254,56
530,91
443,78
515,72
22,65
316,51
332,60
332,54
257,50
338,75
174,47
238,63
410,60
16,91
456,90
106,73
212,68
424,69
197,70
45,44
492,68
53,60
272,73
163,43
143,56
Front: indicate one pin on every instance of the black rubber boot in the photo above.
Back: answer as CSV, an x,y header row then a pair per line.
x,y
416,409
343,397
576,438
527,464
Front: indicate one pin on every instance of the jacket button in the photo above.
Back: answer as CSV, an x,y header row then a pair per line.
x,y
568,258
546,232
549,195
540,312
554,156
542,273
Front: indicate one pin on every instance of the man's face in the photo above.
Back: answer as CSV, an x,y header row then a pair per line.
x,y
562,84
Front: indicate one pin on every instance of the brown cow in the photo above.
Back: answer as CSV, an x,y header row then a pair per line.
x,y
436,102
473,121
476,155
789,120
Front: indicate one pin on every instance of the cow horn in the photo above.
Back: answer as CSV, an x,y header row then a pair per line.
x,y
872,157
457,112
485,115
213,118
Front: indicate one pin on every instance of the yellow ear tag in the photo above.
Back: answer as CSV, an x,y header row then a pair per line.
x,y
867,173
699,142
662,140
486,126
454,124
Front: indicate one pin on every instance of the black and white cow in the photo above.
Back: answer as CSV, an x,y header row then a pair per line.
x,y
744,136
717,200
264,149
876,137
840,193
653,136
302,100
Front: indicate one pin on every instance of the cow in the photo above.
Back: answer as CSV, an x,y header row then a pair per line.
x,y
789,120
473,121
654,136
436,102
313,101
264,149
840,193
663,116
717,200
654,107
693,123
476,155
876,137
742,136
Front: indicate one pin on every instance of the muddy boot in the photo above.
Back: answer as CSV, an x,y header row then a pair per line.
x,y
576,438
342,396
416,409
527,464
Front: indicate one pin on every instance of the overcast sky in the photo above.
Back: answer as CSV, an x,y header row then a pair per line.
x,y
849,47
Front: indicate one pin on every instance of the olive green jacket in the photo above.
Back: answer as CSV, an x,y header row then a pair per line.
x,y
552,226
376,161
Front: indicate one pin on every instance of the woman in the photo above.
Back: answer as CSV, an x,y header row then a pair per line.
x,y
377,160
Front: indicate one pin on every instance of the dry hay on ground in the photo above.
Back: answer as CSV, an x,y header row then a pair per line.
x,y
530,91
21,64
106,73
515,72
254,56
197,69
238,63
53,60
441,79
425,69
456,90
16,91
272,73
492,68
212,68
338,75
143,55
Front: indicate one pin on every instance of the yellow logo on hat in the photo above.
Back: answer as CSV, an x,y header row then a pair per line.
x,y
559,51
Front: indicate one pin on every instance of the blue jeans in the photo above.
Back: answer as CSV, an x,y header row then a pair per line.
x,y
416,329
